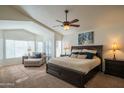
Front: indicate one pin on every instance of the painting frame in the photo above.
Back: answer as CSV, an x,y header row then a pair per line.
x,y
86,38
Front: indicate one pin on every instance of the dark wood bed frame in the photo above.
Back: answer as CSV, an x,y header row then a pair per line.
x,y
72,76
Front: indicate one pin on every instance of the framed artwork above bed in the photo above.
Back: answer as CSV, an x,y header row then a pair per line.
x,y
86,38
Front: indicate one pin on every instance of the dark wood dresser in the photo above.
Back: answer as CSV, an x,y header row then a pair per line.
x,y
114,67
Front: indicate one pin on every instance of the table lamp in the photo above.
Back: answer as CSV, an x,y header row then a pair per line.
x,y
114,48
66,47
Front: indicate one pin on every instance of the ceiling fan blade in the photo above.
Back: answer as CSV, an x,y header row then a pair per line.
x,y
73,21
59,21
58,26
75,25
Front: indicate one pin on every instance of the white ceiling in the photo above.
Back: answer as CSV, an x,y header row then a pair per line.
x,y
88,15
26,25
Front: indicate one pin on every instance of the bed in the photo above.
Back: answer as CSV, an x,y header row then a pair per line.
x,y
76,71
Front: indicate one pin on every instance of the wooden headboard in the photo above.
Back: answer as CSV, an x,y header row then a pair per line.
x,y
99,49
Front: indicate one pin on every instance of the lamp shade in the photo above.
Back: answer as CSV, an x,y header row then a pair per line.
x,y
67,45
115,46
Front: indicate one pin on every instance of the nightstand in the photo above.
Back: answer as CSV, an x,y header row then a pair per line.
x,y
114,67
63,55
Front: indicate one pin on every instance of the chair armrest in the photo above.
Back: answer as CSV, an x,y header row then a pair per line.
x,y
24,57
44,59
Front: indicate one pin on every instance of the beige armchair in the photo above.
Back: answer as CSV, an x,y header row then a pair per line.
x,y
34,61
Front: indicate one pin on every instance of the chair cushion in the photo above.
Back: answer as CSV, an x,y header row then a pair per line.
x,y
31,59
33,62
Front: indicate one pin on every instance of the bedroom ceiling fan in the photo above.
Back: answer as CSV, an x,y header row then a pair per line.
x,y
67,24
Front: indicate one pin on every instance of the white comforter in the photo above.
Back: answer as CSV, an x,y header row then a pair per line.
x,y
83,65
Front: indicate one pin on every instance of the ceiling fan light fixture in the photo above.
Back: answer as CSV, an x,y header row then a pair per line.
x,y
66,27
67,24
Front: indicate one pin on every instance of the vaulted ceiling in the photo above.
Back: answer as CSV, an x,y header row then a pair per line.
x,y
89,16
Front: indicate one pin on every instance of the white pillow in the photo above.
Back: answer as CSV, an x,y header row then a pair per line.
x,y
76,50
73,56
81,56
90,51
95,57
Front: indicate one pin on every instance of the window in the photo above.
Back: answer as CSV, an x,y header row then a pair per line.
x,y
16,48
1,48
58,48
31,45
10,49
39,46
48,49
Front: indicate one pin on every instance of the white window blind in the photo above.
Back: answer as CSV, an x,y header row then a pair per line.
x,y
16,48
40,46
1,45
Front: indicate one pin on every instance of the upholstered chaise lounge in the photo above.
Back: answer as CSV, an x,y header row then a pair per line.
x,y
33,61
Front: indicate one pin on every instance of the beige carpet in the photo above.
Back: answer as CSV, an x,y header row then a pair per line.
x,y
36,77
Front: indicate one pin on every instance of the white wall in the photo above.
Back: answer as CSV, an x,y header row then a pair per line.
x,y
105,37
108,29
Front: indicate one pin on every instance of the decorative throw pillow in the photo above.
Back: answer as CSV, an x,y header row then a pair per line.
x,y
82,56
89,55
38,55
76,50
73,56
90,51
